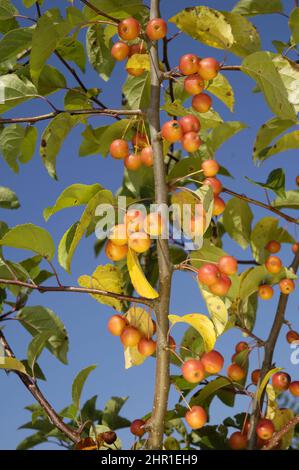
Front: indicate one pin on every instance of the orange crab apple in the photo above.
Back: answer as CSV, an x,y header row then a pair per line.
x,y
156,29
188,64
129,29
219,206
116,325
273,264
196,417
236,372
147,156
140,140
228,265
172,131
210,168
120,51
193,371
213,362
115,252
265,291
130,336
194,84
265,429
118,235
202,102
208,274
147,346
238,441
255,376
286,286
292,336
221,286
208,68
241,346
273,246
295,248
119,149
139,242
133,161
134,220
215,184
294,388
191,142
189,123
281,381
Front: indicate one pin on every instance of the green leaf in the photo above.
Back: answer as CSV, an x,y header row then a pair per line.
x,y
7,10
287,142
294,24
98,140
72,196
275,182
11,139
28,144
221,88
289,73
30,3
98,46
50,80
72,49
78,384
137,91
52,139
111,411
30,237
14,43
222,133
207,393
267,133
15,91
256,7
76,99
251,279
246,37
40,319
282,417
36,347
32,441
237,219
260,67
290,201
8,199
118,8
49,30
11,363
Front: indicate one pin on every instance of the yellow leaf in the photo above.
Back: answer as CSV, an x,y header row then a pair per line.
x,y
217,310
139,318
266,380
138,279
282,417
11,363
201,323
139,61
272,404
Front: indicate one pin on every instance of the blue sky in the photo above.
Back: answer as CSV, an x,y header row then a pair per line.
x,y
85,319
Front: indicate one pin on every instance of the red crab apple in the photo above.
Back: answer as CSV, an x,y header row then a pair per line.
x,y
281,381
273,264
130,336
119,149
140,140
235,372
286,286
133,161
116,325
147,346
156,29
193,371
202,102
208,68
208,274
241,346
188,64
213,362
189,123
228,265
265,429
222,286
118,235
109,437
219,206
129,29
139,242
147,156
194,84
135,72
273,246
210,168
295,248
191,142
255,376
114,252
137,427
294,388
215,184
265,292
120,51
292,336
171,131
237,441
196,417
139,48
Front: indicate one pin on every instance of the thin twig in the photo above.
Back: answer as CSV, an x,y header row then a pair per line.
x,y
100,12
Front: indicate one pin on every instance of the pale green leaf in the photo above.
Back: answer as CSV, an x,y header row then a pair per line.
x,y
294,24
290,201
137,91
267,133
78,384
257,7
237,219
246,37
36,347
221,88
30,237
98,45
15,91
222,133
8,199
15,42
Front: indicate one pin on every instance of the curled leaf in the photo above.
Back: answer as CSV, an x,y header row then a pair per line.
x,y
138,279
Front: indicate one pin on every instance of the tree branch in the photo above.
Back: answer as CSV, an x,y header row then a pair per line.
x,y
278,435
80,290
100,12
162,380
263,205
33,388
269,352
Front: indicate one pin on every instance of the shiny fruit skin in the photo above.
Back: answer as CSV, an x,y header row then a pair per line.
x,y
137,49
189,123
294,388
241,346
147,156
265,292
188,64
202,102
196,417
147,347
114,252
118,235
292,336
116,325
286,286
129,29
130,336
281,381
208,68
193,371
109,437
120,51
136,427
140,140
219,206
273,264
237,441
194,84
135,72
134,220
171,131
139,242
213,362
208,274
156,29
153,224
295,248
191,142
119,149
255,376
273,246
215,184
210,168
222,286
235,372
265,429
133,161
228,265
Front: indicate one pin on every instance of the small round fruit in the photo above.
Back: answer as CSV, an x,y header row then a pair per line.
x,y
118,235
133,161
194,84
222,286
147,156
188,64
265,429
255,376
120,51
156,29
116,325
133,220
208,68
281,381
292,336
210,168
137,49
215,184
273,246
286,286
197,226
135,72
114,252
189,123
294,388
273,264
202,103
137,427
237,441
265,292
213,362
193,371
147,347
236,373
228,265
191,142
153,224
140,140
171,131
119,149
241,346
196,417
109,437
140,242
208,274
295,248
129,29
219,206
130,336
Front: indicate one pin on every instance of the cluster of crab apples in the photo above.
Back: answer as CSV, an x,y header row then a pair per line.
x,y
140,154
216,275
135,232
